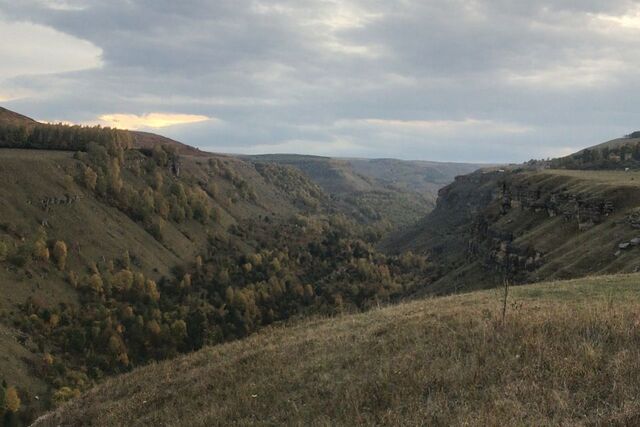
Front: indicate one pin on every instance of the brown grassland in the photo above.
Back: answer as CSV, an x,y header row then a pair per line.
x,y
567,353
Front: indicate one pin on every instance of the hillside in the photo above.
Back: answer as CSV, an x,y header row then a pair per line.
x,y
529,225
8,117
397,191
619,153
565,354
38,191
423,177
113,256
147,140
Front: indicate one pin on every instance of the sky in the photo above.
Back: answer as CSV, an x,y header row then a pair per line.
x,y
449,80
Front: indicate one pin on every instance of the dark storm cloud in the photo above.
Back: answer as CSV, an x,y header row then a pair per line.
x,y
451,80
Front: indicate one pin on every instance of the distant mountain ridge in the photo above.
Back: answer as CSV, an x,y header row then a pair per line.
x,y
370,188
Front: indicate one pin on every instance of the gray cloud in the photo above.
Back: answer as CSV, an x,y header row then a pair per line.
x,y
472,80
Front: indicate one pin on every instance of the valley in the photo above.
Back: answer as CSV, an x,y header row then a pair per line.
x,y
166,278
116,253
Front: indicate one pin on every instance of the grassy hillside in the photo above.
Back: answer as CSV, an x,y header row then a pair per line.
x,y
565,354
8,117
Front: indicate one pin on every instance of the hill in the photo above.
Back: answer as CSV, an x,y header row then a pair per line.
x,y
564,354
400,192
141,140
420,176
148,140
113,256
8,117
619,153
41,196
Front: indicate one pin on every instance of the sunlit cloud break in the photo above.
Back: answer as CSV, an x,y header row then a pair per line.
x,y
151,120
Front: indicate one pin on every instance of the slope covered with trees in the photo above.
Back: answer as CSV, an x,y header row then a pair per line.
x,y
113,256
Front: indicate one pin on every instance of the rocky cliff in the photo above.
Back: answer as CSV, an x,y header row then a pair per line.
x,y
524,225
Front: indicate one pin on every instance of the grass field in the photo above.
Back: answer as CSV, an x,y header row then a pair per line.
x,y
567,353
607,177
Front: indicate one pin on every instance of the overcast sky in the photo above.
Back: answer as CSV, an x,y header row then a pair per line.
x,y
457,80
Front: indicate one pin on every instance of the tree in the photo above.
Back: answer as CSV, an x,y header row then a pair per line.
x,y
95,283
185,282
179,330
90,178
40,250
60,254
12,400
151,289
3,398
4,250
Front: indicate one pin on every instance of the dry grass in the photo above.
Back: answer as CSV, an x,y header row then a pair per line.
x,y
569,354
607,177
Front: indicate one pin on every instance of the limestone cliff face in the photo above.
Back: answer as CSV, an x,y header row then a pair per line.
x,y
525,225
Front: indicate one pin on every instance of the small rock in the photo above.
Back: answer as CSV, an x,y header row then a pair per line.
x,y
624,245
635,241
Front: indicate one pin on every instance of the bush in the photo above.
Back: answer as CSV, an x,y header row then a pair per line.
x,y
20,256
64,394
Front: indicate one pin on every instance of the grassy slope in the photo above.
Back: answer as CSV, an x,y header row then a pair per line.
x,y
615,143
567,354
8,117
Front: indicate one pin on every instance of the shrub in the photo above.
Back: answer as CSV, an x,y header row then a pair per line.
x,y
20,256
64,394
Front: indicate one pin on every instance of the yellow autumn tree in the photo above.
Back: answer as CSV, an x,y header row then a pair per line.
x,y
152,290
185,282
40,250
12,400
90,178
60,254
95,283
